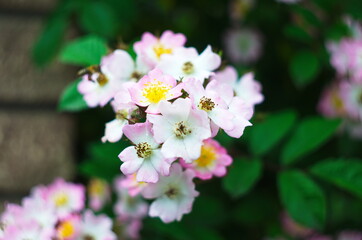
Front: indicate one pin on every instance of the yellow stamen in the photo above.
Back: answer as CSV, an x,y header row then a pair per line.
x,y
207,157
61,199
66,230
206,104
156,91
159,50
96,187
337,102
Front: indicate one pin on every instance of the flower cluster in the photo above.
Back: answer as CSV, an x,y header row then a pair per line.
x,y
170,101
343,98
55,212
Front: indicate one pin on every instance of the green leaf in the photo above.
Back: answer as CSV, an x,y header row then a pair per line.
x,y
308,15
173,230
344,173
242,176
99,18
337,31
265,135
71,100
49,42
297,33
309,135
103,160
303,199
304,67
84,51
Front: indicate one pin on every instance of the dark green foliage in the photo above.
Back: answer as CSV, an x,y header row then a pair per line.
x,y
266,135
308,135
242,176
71,100
84,51
303,199
344,173
102,161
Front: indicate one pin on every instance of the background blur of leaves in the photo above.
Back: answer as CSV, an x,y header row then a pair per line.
x,y
290,159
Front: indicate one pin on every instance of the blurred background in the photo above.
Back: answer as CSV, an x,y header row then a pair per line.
x,y
284,44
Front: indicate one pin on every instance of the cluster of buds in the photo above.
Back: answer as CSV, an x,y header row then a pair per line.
x,y
343,98
170,101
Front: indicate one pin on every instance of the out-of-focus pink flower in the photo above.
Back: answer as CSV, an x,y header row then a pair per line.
x,y
133,228
128,207
65,197
331,103
26,230
154,88
152,49
351,94
181,129
130,183
96,227
350,235
293,228
69,228
174,194
212,161
99,193
145,157
187,63
346,57
242,45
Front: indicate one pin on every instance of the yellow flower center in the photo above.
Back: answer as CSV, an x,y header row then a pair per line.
x,y
181,129
156,91
61,199
96,187
206,104
143,150
207,157
159,50
337,102
66,230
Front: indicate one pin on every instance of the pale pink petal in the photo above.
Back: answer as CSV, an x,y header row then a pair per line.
x,y
119,63
113,132
164,208
222,117
174,147
147,173
177,111
228,76
160,163
193,148
140,132
208,60
173,39
131,161
162,128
